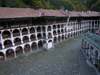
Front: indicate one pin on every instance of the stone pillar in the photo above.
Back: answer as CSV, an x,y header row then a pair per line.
x,y
21,36
2,42
5,56
15,54
37,47
36,33
91,25
31,49
41,31
94,24
23,52
12,38
46,32
29,35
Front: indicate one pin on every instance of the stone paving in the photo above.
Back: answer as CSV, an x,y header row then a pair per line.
x,y
65,58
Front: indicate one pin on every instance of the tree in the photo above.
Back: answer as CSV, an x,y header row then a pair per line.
x,y
96,6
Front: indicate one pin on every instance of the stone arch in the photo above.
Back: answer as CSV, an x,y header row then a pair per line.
x,y
27,48
49,28
49,35
54,26
40,44
50,41
7,43
25,39
32,30
38,29
33,37
34,46
6,34
2,57
10,54
24,31
54,32
17,41
39,36
19,50
16,32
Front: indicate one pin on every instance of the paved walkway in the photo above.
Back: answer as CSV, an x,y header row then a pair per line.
x,y
66,58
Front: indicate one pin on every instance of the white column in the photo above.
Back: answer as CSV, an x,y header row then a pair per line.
x,y
15,54
46,32
12,38
94,24
2,42
21,37
36,33
29,35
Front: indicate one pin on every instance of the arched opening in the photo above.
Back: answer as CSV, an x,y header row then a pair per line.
x,y
58,31
19,50
62,31
55,39
43,28
74,34
17,41
49,35
25,39
62,37
44,35
7,43
58,26
27,48
39,36
24,31
49,28
10,54
6,34
62,26
34,46
54,26
16,33
50,41
71,35
54,32
40,45
33,37
68,35
58,38
38,29
0,46
2,58
32,30
44,41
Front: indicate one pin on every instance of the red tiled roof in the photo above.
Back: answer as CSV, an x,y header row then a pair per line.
x,y
84,14
17,12
27,12
50,12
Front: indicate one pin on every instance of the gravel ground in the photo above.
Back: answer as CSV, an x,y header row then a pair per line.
x,y
65,58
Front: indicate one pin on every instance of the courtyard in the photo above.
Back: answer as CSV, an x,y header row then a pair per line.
x,y
66,58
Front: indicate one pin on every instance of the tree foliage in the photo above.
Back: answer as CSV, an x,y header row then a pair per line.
x,y
77,5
